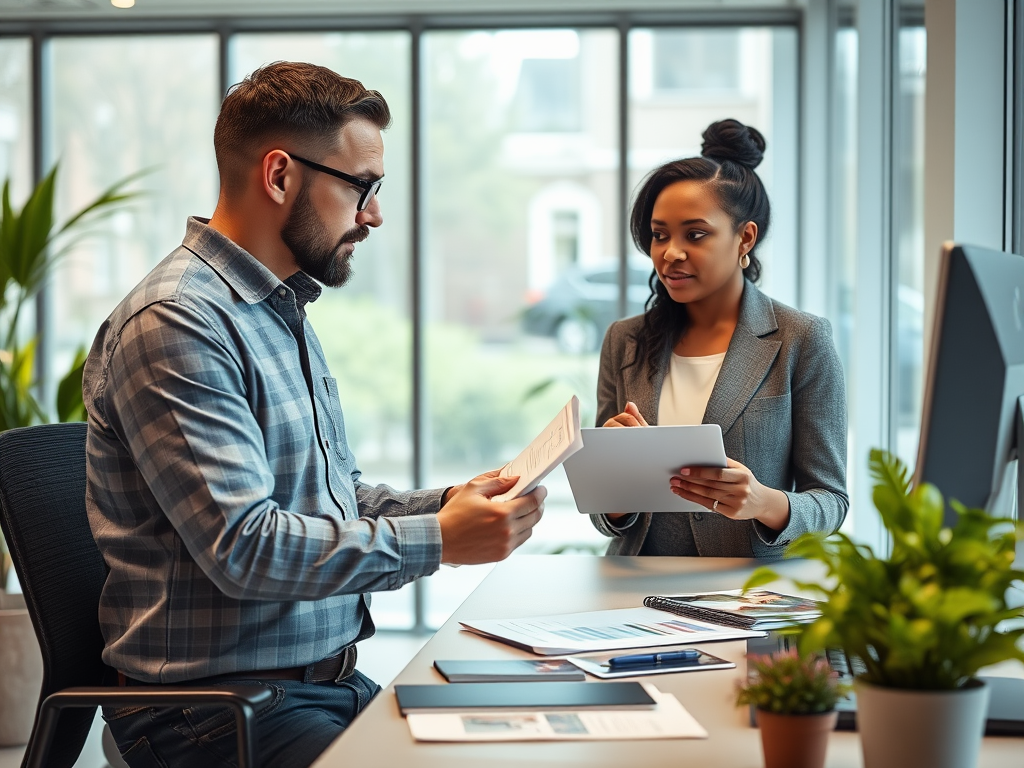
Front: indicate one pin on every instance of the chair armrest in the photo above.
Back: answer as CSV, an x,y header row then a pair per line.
x,y
241,698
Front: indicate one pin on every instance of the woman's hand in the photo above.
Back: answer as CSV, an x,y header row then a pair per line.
x,y
733,492
631,417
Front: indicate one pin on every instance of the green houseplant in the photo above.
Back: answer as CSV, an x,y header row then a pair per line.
x,y
922,621
794,697
31,243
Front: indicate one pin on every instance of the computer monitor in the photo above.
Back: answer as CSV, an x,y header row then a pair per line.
x,y
973,423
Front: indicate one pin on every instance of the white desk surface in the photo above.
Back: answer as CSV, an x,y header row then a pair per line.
x,y
547,584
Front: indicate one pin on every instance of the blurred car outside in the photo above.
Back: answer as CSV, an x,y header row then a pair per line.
x,y
580,305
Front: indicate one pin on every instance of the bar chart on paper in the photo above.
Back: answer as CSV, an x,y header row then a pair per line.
x,y
602,630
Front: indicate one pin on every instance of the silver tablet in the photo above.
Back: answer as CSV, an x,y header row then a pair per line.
x,y
627,469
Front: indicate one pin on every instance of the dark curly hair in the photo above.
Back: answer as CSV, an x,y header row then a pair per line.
x,y
730,153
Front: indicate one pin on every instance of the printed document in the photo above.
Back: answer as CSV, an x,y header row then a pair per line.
x,y
603,631
557,441
668,720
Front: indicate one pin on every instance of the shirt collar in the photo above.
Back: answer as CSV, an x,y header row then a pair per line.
x,y
246,275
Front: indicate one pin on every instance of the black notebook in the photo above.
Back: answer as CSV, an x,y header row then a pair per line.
x,y
758,609
508,670
538,696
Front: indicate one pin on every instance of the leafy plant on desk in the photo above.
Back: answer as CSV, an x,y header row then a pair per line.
x,y
934,612
788,683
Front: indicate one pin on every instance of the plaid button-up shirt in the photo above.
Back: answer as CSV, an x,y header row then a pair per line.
x,y
221,489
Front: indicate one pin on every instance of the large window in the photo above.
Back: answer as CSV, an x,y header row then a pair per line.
x,y
520,213
908,191
119,105
520,217
877,293
15,116
843,243
519,194
682,80
16,144
365,329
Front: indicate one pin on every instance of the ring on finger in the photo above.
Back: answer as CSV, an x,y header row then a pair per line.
x,y
714,507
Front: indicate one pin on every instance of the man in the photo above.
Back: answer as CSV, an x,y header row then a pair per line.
x,y
221,490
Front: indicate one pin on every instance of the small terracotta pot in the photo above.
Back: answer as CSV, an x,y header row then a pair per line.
x,y
795,741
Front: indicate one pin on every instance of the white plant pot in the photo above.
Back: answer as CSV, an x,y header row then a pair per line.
x,y
939,729
21,671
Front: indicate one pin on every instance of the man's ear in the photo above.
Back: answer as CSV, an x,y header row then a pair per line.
x,y
278,175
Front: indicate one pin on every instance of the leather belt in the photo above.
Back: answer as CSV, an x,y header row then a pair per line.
x,y
332,669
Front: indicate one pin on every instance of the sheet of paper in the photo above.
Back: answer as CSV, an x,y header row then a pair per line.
x,y
557,441
668,720
603,631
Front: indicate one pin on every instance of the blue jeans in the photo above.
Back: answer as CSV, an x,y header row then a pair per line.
x,y
292,729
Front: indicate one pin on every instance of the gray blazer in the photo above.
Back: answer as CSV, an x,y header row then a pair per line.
x,y
781,402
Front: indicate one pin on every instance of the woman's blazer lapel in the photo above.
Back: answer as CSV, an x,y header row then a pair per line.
x,y
747,361
642,390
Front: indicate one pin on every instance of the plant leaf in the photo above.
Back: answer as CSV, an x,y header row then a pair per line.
x,y
538,388
70,406
31,235
7,226
761,576
111,196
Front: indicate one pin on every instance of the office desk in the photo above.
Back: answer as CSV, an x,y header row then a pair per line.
x,y
543,584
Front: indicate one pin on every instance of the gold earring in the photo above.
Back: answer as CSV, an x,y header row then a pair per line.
x,y
744,261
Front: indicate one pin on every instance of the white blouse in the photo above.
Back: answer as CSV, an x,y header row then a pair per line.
x,y
687,388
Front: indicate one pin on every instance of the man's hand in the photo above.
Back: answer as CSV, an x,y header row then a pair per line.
x,y
475,529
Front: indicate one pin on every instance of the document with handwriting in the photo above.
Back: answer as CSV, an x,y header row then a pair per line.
x,y
557,441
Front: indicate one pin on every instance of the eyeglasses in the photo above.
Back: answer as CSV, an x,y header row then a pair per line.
x,y
370,188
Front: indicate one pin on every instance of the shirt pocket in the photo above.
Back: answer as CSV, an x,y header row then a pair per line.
x,y
337,419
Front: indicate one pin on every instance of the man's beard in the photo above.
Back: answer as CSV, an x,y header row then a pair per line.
x,y
305,234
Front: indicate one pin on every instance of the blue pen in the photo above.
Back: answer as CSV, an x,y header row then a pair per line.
x,y
650,659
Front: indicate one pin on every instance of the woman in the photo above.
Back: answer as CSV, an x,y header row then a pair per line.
x,y
711,348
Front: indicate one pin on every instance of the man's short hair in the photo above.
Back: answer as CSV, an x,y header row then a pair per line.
x,y
299,106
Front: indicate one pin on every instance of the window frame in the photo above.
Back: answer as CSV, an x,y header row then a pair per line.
x,y
815,24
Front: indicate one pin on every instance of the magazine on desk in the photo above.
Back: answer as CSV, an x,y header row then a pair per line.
x,y
759,609
602,631
668,720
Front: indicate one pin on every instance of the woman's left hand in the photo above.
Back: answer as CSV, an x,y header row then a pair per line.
x,y
733,492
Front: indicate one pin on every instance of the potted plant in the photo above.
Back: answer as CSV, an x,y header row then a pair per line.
x,y
921,621
794,698
30,245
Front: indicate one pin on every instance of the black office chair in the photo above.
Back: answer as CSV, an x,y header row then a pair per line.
x,y
42,513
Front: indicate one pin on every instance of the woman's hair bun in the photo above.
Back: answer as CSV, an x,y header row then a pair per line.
x,y
732,140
